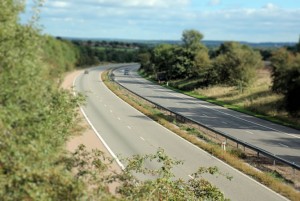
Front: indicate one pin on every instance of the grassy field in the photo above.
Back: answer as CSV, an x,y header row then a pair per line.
x,y
257,100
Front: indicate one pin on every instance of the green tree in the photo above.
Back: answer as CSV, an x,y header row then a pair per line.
x,y
145,61
281,61
163,60
236,64
286,78
191,39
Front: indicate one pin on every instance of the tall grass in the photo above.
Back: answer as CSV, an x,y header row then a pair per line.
x,y
258,99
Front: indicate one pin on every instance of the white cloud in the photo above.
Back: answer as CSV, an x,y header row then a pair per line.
x,y
214,2
59,4
147,3
270,6
165,19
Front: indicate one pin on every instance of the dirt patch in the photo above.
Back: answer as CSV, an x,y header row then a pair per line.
x,y
87,137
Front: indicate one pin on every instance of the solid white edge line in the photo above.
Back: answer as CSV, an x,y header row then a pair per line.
x,y
96,132
294,136
238,171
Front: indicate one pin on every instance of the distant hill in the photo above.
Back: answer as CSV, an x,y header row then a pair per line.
x,y
208,43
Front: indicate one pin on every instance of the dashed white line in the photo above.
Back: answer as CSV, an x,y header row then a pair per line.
x,y
283,145
294,136
105,105
110,111
190,176
250,132
129,127
224,122
119,118
142,138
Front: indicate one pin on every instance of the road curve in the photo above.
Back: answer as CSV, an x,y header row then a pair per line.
x,y
279,140
127,131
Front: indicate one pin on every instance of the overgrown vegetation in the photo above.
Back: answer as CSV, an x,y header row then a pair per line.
x,y
37,118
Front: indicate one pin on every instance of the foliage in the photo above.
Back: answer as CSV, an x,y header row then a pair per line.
x,y
191,39
60,55
169,62
236,64
93,167
286,78
36,117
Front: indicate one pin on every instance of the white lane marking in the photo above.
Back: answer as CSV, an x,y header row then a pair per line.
x,y
244,120
224,122
105,105
250,132
110,111
190,176
294,136
142,138
119,118
283,145
129,127
98,135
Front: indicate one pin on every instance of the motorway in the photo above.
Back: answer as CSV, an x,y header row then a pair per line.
x,y
126,131
281,141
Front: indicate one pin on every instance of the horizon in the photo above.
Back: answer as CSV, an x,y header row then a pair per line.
x,y
222,20
175,40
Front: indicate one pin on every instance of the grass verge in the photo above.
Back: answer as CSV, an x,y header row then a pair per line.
x,y
192,135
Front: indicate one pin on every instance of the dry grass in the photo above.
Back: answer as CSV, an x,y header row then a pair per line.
x,y
193,137
258,98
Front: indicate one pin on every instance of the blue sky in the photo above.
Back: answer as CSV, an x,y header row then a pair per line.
x,y
252,21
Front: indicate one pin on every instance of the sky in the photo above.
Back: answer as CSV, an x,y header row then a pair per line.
x,y
230,20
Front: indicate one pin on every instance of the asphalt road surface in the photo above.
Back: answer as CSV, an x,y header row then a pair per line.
x,y
281,141
126,131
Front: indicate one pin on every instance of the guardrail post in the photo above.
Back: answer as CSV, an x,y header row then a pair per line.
x,y
257,154
223,145
274,163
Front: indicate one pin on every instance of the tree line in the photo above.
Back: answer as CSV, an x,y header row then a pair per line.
x,y
107,51
231,64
